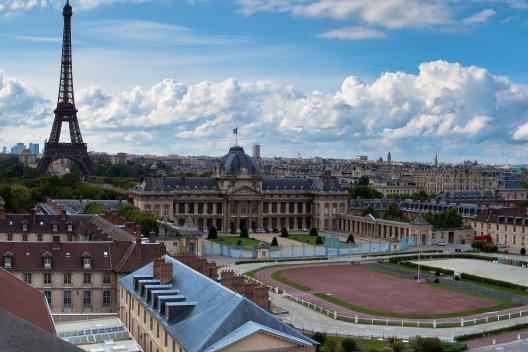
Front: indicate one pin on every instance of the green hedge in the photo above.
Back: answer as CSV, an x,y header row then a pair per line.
x,y
490,332
385,254
493,282
396,260
428,268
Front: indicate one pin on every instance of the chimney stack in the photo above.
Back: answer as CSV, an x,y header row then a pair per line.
x,y
138,245
63,214
152,237
34,216
129,227
56,243
2,209
162,270
138,231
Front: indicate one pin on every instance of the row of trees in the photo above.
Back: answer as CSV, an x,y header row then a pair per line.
x,y
447,219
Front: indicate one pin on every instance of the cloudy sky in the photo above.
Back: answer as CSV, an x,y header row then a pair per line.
x,y
331,78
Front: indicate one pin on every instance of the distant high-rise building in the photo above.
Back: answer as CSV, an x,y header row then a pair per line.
x,y
389,158
256,151
34,148
436,160
4,150
18,148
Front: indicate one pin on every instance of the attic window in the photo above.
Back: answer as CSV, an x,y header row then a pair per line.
x,y
8,262
47,263
42,223
68,254
10,222
24,227
105,253
87,263
70,227
54,227
28,254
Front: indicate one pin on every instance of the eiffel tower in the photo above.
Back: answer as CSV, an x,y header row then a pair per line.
x,y
76,150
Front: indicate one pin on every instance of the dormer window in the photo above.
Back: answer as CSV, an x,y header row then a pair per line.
x,y
70,227
24,227
8,262
47,262
54,227
87,263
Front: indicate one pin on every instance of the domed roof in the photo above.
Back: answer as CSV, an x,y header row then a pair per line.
x,y
237,162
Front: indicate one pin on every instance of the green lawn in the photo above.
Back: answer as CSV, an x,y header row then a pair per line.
x,y
302,237
363,345
278,277
233,240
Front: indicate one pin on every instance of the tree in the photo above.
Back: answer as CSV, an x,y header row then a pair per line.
x,y
364,192
320,338
394,212
212,234
425,344
244,233
370,210
331,346
274,242
313,232
94,208
447,219
319,240
421,195
239,242
284,232
364,181
523,251
349,345
350,239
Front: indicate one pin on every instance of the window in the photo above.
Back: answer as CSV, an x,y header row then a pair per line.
x,y
106,298
39,237
87,299
47,278
47,293
24,237
106,278
27,277
8,262
47,263
87,278
67,278
9,236
87,263
54,227
70,228
67,299
70,238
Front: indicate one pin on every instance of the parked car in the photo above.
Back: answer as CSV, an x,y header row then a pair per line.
x,y
441,243
304,229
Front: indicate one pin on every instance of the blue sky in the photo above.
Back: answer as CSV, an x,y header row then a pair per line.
x,y
321,77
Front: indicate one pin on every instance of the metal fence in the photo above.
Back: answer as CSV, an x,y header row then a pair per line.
x,y
331,248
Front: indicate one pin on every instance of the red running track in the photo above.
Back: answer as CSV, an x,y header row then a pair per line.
x,y
373,290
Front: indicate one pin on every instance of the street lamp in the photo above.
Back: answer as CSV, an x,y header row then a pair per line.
x,y
418,260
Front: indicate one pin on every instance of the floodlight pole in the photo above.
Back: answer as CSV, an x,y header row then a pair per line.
x,y
418,239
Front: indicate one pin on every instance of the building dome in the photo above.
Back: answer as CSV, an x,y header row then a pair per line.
x,y
237,163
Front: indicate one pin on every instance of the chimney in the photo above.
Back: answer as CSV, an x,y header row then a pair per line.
x,y
63,214
138,231
121,221
2,209
34,216
162,270
129,227
152,237
108,215
138,246
56,243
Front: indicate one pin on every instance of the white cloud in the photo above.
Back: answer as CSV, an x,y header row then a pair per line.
x,y
353,33
479,17
445,107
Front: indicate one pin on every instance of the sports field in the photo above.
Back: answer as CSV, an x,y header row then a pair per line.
x,y
356,286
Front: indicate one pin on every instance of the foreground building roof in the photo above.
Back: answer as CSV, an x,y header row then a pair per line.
x,y
217,316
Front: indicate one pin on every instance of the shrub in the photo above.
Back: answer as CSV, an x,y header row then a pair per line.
x,y
319,240
320,338
239,242
437,273
523,251
436,280
349,345
457,278
274,242
213,233
398,346
313,232
244,233
284,232
331,346
425,344
350,239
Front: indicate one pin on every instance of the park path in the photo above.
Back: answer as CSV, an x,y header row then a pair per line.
x,y
268,237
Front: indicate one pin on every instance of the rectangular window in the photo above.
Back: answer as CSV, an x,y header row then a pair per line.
x,y
87,278
106,298
106,278
70,238
47,278
67,299
87,299
24,237
8,262
39,237
9,236
27,277
47,293
67,278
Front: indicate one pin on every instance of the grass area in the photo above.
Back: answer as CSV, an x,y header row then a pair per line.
x,y
278,277
363,345
233,240
302,237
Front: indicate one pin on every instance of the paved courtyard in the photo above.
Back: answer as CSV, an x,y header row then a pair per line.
x,y
496,271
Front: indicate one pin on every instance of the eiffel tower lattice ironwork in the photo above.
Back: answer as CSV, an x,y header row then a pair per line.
x,y
66,112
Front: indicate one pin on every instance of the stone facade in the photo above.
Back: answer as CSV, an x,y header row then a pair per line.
x,y
508,226
239,197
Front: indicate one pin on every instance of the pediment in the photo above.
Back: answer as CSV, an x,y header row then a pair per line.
x,y
255,341
243,190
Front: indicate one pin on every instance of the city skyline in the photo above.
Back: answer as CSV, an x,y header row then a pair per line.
x,y
475,109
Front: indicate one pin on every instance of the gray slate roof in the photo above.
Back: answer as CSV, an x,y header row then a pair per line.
x,y
218,311
236,162
18,335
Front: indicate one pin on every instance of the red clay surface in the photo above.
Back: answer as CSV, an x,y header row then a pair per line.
x,y
378,291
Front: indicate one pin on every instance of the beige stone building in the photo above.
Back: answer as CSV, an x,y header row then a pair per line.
x,y
238,196
508,226
169,307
